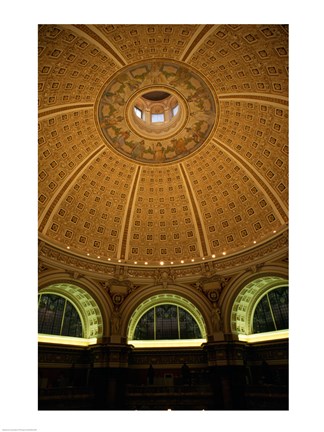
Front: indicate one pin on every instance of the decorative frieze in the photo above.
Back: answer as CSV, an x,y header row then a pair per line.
x,y
253,259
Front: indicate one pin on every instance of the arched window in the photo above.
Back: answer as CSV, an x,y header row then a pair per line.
x,y
167,321
260,310
57,316
271,313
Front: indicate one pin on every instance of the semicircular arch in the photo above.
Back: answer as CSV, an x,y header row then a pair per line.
x,y
103,301
229,296
247,300
90,314
196,299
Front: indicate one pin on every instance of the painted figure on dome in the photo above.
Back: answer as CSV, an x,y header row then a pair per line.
x,y
110,121
182,79
128,82
159,152
138,150
179,146
156,76
120,140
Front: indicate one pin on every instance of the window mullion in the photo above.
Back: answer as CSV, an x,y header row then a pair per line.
x,y
40,324
178,321
273,318
62,322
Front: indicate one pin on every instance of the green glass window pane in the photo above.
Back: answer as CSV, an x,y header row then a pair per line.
x,y
166,322
162,322
50,314
276,318
279,304
72,325
51,311
188,327
145,327
262,320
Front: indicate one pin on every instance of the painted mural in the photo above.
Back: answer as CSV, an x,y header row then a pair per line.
x,y
196,129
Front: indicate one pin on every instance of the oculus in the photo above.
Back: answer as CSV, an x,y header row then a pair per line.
x,y
157,112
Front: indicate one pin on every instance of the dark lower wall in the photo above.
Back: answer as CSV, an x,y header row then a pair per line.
x,y
220,376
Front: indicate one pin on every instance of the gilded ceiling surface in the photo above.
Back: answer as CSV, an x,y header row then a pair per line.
x,y
216,183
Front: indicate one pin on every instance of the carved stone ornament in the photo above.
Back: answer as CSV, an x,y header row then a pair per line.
x,y
275,249
117,299
213,295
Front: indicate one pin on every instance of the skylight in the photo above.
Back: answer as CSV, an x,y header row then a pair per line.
x,y
175,110
138,112
157,118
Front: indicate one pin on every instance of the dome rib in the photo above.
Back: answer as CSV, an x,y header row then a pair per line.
x,y
195,208
92,32
45,218
278,205
201,33
123,246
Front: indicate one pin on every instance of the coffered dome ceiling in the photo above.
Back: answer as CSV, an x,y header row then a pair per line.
x,y
205,181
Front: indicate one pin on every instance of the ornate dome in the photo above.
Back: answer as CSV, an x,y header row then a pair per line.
x,y
206,181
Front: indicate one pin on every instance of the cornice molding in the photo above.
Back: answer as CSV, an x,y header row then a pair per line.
x,y
51,255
